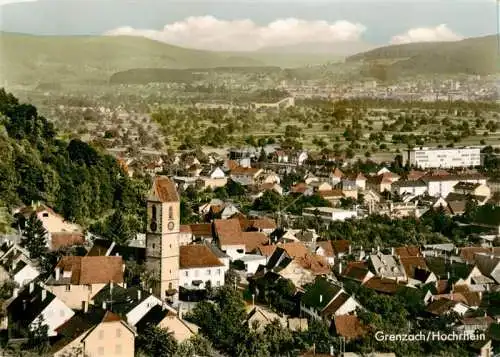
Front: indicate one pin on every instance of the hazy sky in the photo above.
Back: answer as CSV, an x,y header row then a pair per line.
x,y
251,24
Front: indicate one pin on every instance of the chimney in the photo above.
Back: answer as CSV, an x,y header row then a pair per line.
x,y
85,306
340,267
44,294
480,295
124,285
150,290
139,294
350,249
448,275
378,249
320,298
32,287
392,251
104,305
58,273
25,304
123,268
15,292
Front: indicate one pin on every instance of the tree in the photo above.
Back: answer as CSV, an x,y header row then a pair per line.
x,y
34,237
197,345
157,342
38,336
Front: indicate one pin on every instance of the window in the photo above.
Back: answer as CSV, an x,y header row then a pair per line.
x,y
218,283
186,273
153,213
169,286
170,213
208,271
118,349
218,271
101,335
118,332
45,215
90,287
68,287
153,246
100,351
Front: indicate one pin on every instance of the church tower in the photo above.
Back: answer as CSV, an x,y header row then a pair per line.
x,y
162,238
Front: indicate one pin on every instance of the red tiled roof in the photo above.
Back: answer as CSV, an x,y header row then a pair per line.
x,y
263,223
331,193
66,239
253,240
338,173
314,263
341,246
294,249
164,189
301,187
197,256
327,247
468,253
111,317
93,269
185,228
201,229
349,326
411,251
228,231
267,250
384,285
244,171
411,263
415,175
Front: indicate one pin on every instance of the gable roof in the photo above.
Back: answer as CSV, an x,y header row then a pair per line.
x,y
348,326
83,323
469,253
164,190
410,264
327,248
267,250
320,293
26,307
294,249
410,251
336,304
65,239
203,230
197,256
341,246
384,285
120,300
441,306
91,270
316,264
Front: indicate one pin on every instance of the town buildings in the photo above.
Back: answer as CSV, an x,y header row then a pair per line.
x,y
426,158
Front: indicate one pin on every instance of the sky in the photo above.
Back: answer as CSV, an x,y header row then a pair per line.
x,y
246,25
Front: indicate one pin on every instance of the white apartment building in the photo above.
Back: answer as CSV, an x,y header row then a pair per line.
x,y
329,213
427,158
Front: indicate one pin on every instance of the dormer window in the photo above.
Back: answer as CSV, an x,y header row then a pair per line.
x,y
170,213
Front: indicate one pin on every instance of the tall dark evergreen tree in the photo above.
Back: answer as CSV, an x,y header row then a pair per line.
x,y
34,237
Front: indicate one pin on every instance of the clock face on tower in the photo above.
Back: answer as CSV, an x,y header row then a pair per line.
x,y
170,226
